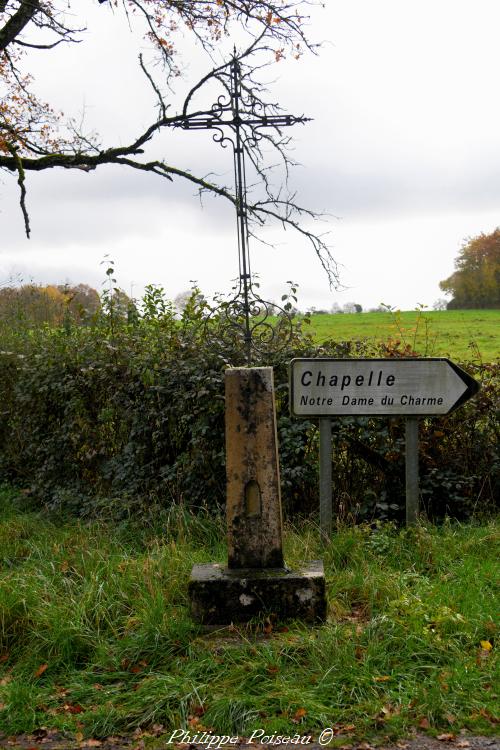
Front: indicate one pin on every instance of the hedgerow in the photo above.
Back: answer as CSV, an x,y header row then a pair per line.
x,y
124,416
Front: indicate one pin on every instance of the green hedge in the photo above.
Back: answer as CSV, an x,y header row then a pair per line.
x,y
122,417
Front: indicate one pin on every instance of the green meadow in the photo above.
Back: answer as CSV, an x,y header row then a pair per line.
x,y
462,335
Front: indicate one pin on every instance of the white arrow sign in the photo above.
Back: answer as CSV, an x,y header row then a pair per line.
x,y
378,387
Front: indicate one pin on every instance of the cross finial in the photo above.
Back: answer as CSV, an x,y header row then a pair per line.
x,y
244,122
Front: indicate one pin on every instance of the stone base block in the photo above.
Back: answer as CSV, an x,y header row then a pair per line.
x,y
220,596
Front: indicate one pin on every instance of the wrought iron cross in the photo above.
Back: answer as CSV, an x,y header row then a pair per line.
x,y
237,113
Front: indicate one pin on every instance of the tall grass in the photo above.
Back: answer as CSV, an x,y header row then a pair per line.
x,y
95,633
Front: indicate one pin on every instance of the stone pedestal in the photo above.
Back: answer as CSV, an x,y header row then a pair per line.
x,y
220,596
256,580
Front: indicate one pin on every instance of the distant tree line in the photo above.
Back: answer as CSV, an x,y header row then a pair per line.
x,y
476,280
335,309
55,305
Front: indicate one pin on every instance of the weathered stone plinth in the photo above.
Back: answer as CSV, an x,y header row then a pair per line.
x,y
255,581
220,596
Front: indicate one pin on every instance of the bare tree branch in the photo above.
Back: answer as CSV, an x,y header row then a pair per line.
x,y
22,186
161,103
45,46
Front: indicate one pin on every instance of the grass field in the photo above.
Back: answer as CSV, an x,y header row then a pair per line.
x,y
463,335
96,636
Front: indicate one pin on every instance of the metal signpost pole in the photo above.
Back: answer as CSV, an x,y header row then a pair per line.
x,y
411,470
325,478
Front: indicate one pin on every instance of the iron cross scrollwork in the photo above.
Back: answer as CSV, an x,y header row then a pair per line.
x,y
239,119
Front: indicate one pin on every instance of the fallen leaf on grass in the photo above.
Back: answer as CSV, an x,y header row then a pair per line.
x,y
424,723
139,666
299,715
382,678
195,723
486,645
447,737
73,708
386,712
41,669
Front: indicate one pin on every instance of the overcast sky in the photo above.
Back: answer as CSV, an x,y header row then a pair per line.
x,y
403,154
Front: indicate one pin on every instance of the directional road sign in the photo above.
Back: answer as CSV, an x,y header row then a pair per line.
x,y
324,387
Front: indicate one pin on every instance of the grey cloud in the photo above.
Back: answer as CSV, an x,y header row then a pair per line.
x,y
97,207
398,191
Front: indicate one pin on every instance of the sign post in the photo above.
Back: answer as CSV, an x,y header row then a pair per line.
x,y
325,477
411,470
410,387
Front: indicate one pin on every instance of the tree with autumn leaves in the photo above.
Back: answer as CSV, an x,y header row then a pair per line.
x,y
31,305
34,135
476,280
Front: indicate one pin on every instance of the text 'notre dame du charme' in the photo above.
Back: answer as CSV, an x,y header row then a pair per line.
x,y
375,379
